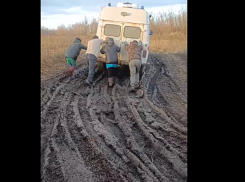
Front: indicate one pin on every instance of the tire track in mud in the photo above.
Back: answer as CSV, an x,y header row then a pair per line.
x,y
151,86
69,156
158,71
48,122
172,157
131,142
108,136
103,133
64,146
163,130
144,135
173,80
102,170
51,169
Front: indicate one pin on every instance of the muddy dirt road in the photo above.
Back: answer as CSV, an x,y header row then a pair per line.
x,y
102,134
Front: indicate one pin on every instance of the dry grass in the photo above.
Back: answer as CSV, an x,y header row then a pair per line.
x,y
53,50
169,35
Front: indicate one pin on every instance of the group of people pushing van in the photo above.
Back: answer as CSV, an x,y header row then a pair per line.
x,y
110,50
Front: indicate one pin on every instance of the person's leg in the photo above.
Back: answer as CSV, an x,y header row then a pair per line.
x,y
114,74
72,67
138,65
68,72
72,62
110,72
132,69
68,65
92,60
88,57
110,75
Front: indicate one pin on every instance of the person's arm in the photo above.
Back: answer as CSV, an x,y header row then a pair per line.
x,y
102,51
126,46
141,46
118,48
83,47
101,41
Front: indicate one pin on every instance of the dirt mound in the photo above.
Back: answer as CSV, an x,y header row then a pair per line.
x,y
107,134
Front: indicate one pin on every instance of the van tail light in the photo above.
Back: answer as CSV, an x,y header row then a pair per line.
x,y
144,54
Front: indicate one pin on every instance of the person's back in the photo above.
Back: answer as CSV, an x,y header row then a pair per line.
x,y
92,54
110,50
94,47
134,51
75,49
72,54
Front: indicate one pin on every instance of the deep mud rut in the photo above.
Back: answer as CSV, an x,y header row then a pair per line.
x,y
106,134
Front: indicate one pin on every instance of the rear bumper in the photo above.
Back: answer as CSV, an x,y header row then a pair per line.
x,y
122,62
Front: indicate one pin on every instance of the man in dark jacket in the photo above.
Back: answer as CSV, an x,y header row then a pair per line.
x,y
72,54
111,50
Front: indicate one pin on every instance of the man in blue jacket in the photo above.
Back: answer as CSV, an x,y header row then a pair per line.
x,y
72,54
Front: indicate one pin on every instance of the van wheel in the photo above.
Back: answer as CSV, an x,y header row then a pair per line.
x,y
101,67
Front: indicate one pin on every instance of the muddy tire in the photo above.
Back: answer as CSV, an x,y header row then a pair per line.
x,y
101,67
123,71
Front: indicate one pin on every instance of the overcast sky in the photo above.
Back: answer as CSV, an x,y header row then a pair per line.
x,y
67,12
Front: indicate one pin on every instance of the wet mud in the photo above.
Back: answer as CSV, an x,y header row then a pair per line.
x,y
103,134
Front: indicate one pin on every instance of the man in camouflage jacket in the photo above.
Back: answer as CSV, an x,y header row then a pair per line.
x,y
134,53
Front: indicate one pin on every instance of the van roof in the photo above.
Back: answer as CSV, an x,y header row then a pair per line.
x,y
133,15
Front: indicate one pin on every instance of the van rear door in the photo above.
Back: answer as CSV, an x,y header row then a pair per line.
x,y
111,29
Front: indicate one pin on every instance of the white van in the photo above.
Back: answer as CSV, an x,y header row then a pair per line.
x,y
126,22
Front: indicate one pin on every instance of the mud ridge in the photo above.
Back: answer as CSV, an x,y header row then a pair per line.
x,y
107,134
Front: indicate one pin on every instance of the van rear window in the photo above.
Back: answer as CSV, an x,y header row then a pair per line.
x,y
112,30
131,32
